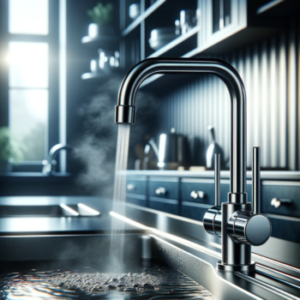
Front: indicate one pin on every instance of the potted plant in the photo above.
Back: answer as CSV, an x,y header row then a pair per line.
x,y
10,150
101,16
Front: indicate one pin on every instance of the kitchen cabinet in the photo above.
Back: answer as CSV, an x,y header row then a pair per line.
x,y
136,189
190,195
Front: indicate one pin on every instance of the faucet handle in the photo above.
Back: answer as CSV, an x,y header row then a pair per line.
x,y
217,179
256,180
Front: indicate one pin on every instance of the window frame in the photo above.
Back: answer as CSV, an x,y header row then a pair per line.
x,y
52,39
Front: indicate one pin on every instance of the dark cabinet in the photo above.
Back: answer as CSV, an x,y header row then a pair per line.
x,y
192,197
136,190
164,194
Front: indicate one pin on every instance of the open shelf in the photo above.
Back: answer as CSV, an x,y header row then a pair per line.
x,y
90,75
143,16
279,8
175,42
87,39
231,42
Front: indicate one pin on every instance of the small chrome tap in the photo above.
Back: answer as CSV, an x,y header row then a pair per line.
x,y
233,221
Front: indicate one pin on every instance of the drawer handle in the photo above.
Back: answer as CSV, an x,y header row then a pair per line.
x,y
279,202
196,195
160,191
130,187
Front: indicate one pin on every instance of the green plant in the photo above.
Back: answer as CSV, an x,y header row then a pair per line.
x,y
101,14
10,148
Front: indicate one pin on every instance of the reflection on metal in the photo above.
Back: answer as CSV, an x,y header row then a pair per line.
x,y
85,210
169,236
68,210
267,286
263,68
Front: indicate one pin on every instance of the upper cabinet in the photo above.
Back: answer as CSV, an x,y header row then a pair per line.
x,y
169,28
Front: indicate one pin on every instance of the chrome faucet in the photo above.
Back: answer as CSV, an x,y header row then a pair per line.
x,y
50,163
234,222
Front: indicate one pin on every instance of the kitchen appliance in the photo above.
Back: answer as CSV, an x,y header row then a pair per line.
x,y
161,36
214,148
172,150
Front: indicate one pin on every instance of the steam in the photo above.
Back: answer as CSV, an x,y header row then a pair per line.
x,y
96,147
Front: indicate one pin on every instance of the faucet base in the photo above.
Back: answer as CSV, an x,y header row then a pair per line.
x,y
236,268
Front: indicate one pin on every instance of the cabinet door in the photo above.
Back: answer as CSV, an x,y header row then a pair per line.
x,y
136,190
220,19
164,194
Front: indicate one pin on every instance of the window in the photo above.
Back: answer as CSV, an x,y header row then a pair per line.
x,y
31,43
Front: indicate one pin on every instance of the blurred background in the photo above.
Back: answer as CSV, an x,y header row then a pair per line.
x,y
62,62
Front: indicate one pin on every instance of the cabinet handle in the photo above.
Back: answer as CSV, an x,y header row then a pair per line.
x,y
196,195
130,187
160,191
279,202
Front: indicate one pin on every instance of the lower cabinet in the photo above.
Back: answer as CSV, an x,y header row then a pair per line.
x,y
136,190
191,198
164,194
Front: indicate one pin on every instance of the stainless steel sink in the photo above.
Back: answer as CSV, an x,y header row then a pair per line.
x,y
57,210
62,250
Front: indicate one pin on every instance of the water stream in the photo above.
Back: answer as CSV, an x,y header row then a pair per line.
x,y
119,198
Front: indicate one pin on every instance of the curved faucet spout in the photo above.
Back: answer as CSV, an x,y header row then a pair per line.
x,y
125,110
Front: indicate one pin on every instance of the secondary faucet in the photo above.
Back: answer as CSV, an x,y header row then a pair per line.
x,y
50,164
234,222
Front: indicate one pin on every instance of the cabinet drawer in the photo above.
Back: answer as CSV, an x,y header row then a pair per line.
x,y
284,192
136,185
168,206
137,199
285,229
198,190
206,188
165,188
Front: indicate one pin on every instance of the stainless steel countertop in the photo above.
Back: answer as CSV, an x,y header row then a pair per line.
x,y
269,175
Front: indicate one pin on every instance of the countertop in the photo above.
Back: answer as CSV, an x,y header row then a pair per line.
x,y
56,225
265,175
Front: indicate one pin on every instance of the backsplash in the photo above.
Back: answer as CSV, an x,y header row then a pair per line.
x,y
271,124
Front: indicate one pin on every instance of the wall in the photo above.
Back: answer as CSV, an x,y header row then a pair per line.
x,y
269,71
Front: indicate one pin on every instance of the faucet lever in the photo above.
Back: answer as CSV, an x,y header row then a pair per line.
x,y
217,179
256,180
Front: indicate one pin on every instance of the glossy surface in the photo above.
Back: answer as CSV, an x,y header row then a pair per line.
x,y
127,93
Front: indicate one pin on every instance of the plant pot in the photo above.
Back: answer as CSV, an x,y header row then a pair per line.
x,y
5,166
97,31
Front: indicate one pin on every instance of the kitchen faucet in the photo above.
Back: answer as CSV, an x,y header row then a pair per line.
x,y
50,163
234,222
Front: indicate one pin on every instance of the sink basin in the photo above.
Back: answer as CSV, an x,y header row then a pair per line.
x,y
57,210
62,251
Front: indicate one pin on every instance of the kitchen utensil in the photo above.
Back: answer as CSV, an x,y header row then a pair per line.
x,y
161,36
172,150
134,10
188,20
213,148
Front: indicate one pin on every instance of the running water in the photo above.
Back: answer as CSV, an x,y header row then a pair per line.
x,y
117,237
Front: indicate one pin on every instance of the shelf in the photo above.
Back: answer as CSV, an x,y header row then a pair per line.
x,y
229,42
106,74
143,16
279,9
87,39
175,42
90,75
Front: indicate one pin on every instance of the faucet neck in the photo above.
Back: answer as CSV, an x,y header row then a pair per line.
x,y
126,106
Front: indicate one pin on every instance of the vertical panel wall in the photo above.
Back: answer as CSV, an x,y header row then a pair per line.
x,y
272,103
